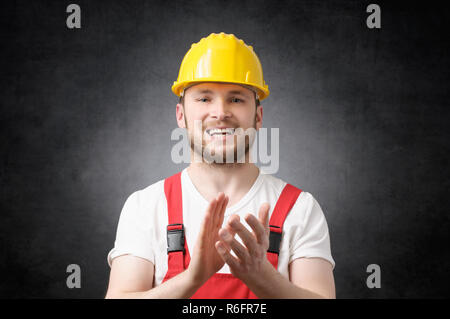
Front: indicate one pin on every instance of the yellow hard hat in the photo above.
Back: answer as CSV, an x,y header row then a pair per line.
x,y
221,58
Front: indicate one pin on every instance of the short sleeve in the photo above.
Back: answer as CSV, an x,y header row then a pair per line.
x,y
312,238
133,236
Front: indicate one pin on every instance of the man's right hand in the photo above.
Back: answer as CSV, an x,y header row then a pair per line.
x,y
206,261
132,277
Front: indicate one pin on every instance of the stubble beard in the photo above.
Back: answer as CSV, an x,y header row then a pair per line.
x,y
199,150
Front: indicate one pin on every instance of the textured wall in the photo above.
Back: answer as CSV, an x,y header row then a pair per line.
x,y
86,117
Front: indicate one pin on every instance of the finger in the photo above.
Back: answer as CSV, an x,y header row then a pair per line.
x,y
220,209
207,220
247,237
228,227
218,200
212,205
224,252
263,215
220,196
222,213
258,229
219,223
241,251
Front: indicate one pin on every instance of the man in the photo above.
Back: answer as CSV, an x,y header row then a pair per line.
x,y
219,229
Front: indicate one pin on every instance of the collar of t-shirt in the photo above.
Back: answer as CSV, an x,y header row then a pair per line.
x,y
193,191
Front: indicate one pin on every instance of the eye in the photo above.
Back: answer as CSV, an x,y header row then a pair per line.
x,y
237,100
205,99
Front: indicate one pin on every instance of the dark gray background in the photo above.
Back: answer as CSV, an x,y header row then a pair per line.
x,y
86,117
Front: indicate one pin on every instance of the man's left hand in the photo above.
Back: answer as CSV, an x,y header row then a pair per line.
x,y
251,260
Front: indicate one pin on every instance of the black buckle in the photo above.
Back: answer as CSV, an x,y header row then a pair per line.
x,y
175,239
274,241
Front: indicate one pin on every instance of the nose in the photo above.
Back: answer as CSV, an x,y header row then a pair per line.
x,y
219,110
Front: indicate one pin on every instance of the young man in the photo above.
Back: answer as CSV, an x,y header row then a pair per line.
x,y
221,228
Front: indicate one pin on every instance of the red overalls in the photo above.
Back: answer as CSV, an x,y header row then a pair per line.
x,y
219,286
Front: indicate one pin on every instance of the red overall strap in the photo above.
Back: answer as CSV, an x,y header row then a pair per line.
x,y
177,261
282,208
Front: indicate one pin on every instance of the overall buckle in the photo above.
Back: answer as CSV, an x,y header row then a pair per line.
x,y
175,238
274,239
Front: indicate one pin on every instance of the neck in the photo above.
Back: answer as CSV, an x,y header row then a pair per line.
x,y
235,179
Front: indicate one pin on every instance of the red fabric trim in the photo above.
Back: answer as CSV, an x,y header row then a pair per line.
x,y
284,204
287,199
172,189
172,227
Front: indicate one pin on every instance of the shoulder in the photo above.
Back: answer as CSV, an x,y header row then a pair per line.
x,y
305,205
277,185
148,196
272,183
307,214
152,191
144,208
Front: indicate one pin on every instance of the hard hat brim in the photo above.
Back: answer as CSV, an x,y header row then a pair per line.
x,y
178,87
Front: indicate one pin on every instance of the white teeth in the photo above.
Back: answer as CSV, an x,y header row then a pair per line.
x,y
214,131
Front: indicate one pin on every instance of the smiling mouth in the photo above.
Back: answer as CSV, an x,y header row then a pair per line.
x,y
220,132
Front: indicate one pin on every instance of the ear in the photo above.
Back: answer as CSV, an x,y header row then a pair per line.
x,y
259,117
180,116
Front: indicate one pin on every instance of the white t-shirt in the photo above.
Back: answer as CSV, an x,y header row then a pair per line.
x,y
143,223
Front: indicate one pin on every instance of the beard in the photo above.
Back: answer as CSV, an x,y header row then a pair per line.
x,y
221,152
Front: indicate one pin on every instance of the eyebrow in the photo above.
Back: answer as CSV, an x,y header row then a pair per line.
x,y
206,91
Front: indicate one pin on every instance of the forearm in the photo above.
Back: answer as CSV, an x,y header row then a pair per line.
x,y
181,286
273,285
